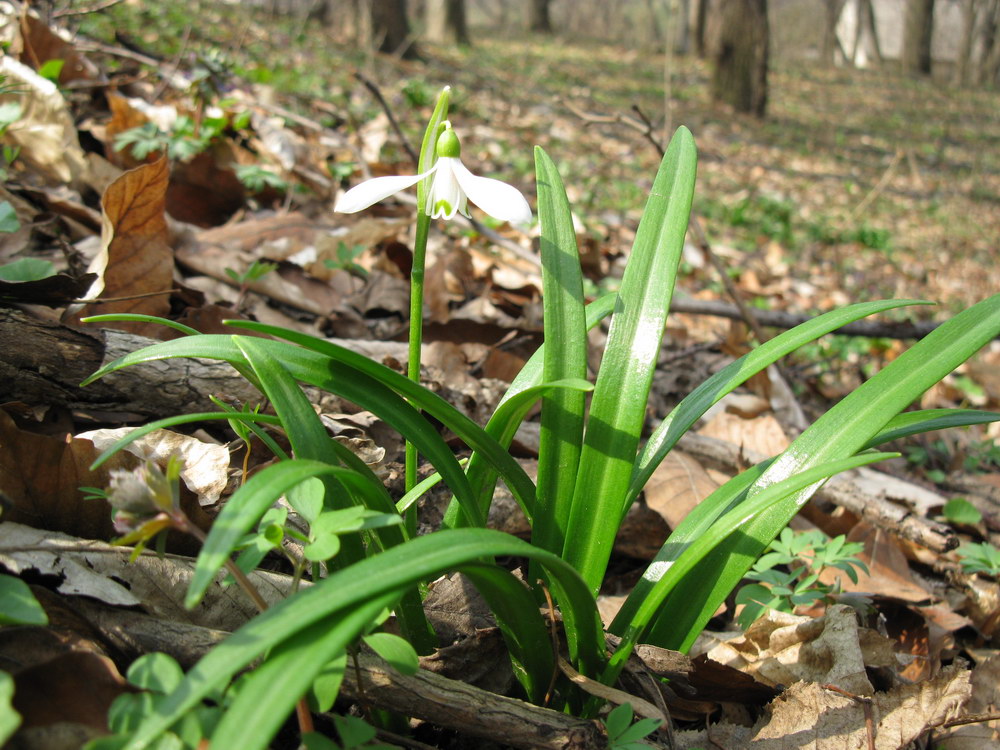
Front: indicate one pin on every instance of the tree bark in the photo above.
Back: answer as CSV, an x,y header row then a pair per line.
x,y
740,53
829,50
391,29
446,22
539,19
917,34
682,33
699,19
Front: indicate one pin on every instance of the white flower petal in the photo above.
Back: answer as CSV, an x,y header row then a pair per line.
x,y
498,199
445,196
372,191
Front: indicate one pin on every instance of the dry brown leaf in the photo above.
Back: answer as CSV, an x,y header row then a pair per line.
x,y
123,117
206,465
888,570
41,44
205,190
42,475
77,687
985,700
45,132
762,434
135,257
677,485
780,649
808,715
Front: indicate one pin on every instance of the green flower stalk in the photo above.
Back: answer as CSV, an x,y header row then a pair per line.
x,y
444,188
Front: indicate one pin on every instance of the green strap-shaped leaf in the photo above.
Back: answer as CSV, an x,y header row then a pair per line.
x,y
244,508
345,591
696,403
842,431
618,406
565,356
715,541
357,385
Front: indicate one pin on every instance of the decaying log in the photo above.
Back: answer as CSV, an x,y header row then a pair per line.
x,y
468,709
44,362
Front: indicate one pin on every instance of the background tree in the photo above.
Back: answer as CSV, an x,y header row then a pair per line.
x,y
539,19
918,30
739,50
833,10
446,21
699,20
391,28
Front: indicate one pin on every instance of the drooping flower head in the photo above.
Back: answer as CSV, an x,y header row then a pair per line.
x,y
452,187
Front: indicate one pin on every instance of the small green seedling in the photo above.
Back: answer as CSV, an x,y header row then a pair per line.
x,y
980,558
958,510
623,734
805,555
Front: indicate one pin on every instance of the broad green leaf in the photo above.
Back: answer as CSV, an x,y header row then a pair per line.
x,y
10,719
18,606
25,269
565,356
927,420
618,406
396,651
138,318
156,672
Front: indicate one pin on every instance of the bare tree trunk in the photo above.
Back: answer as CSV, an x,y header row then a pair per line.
x,y
538,16
682,33
917,33
740,54
988,69
391,28
699,19
446,21
833,10
866,50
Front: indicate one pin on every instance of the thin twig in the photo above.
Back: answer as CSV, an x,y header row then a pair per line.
x,y
879,186
99,300
377,93
866,704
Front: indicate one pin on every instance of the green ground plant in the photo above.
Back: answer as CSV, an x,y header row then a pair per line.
x,y
592,467
804,555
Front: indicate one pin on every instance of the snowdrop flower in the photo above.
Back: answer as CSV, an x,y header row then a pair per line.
x,y
452,187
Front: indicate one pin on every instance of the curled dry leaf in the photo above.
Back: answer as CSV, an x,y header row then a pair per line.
x,y
135,258
45,132
206,465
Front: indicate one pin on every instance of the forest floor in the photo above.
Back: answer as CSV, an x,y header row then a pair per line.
x,y
858,185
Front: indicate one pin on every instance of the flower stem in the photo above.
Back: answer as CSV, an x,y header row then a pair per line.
x,y
416,338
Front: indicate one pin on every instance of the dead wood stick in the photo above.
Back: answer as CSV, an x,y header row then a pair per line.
x,y
425,695
469,710
840,490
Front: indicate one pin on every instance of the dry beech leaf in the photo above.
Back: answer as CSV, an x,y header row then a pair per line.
x,y
808,715
762,434
135,257
206,465
78,687
678,484
888,570
123,117
42,475
45,132
985,700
